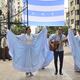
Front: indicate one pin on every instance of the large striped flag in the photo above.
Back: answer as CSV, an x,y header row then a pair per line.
x,y
44,12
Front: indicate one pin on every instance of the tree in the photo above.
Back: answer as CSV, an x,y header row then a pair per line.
x,y
18,29
52,29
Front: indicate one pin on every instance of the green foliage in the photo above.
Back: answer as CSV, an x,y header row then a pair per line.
x,y
65,30
52,29
18,29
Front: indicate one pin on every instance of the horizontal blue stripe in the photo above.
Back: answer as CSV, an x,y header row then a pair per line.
x,y
45,3
58,23
44,14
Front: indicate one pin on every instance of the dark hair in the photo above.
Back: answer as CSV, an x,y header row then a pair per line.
x,y
27,28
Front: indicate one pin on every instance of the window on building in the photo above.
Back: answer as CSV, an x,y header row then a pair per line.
x,y
18,2
67,14
77,1
77,22
71,3
77,12
72,21
0,12
18,7
72,12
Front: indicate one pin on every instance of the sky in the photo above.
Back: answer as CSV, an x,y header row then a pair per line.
x,y
66,3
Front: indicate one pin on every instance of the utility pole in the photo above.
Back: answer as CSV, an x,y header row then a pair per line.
x,y
8,14
27,13
0,21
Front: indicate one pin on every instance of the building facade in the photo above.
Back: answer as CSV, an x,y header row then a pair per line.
x,y
15,10
14,7
74,13
3,16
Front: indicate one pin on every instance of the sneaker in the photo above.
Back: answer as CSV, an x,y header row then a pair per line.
x,y
27,73
31,74
61,73
43,68
55,73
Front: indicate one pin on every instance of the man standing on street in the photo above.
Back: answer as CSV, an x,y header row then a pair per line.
x,y
59,52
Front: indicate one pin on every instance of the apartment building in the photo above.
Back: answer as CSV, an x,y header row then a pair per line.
x,y
3,16
16,8
74,13
3,8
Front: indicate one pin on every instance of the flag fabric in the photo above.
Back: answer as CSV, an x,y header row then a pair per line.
x,y
45,12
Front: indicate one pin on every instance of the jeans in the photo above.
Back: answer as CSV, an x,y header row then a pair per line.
x,y
59,54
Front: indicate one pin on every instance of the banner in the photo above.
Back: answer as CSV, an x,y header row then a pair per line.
x,y
44,12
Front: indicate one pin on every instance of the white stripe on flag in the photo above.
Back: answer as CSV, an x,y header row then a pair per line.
x,y
45,8
44,19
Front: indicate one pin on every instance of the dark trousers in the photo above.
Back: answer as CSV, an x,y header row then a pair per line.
x,y
0,53
5,54
59,54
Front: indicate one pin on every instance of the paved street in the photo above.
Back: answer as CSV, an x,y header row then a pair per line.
x,y
7,72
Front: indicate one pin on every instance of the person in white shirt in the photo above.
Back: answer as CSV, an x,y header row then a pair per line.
x,y
4,46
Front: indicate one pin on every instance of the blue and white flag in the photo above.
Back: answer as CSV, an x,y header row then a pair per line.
x,y
44,12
